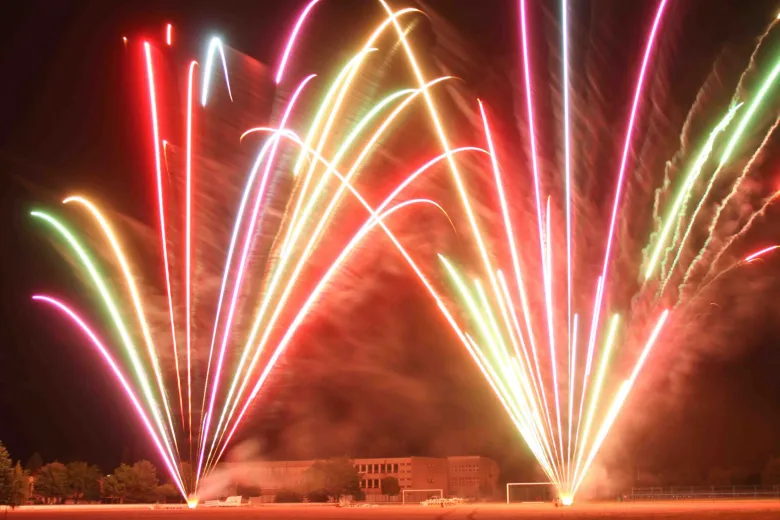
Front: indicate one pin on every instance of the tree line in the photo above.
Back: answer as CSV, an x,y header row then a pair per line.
x,y
332,479
55,482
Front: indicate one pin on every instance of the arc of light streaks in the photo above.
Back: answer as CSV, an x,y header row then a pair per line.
x,y
316,121
108,300
489,330
684,192
343,82
760,253
620,399
518,272
300,264
214,45
649,46
567,182
344,76
244,257
597,387
292,39
161,208
295,231
188,240
572,382
135,296
377,219
733,141
296,226
512,248
719,210
293,277
535,423
122,381
537,189
550,324
444,142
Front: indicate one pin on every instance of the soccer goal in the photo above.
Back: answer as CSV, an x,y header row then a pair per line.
x,y
529,492
420,494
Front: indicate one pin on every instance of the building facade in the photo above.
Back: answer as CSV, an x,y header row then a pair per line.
x,y
468,476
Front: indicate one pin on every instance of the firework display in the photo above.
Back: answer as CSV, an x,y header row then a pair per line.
x,y
548,357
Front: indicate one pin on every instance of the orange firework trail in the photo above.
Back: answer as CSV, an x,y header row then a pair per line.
x,y
556,377
230,382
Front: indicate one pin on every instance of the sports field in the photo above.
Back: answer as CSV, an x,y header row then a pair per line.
x,y
759,510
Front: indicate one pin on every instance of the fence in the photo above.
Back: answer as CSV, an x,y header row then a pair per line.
x,y
704,493
377,498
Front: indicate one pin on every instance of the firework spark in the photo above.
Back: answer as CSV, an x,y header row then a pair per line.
x,y
563,410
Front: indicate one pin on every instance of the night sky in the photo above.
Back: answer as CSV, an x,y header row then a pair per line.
x,y
66,121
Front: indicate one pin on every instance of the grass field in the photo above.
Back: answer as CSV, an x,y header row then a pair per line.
x,y
721,510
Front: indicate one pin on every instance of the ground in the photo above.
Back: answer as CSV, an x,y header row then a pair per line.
x,y
758,510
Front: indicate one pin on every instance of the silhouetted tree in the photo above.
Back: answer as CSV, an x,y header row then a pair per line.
x,y
284,496
248,490
113,488
51,482
336,477
390,486
20,485
83,481
166,493
6,475
34,463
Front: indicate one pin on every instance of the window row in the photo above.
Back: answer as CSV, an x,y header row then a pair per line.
x,y
464,480
466,468
376,468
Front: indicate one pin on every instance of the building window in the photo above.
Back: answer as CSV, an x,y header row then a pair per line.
x,y
395,468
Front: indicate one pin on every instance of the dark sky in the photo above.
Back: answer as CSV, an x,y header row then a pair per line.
x,y
65,122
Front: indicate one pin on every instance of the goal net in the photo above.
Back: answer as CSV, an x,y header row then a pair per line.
x,y
529,492
415,496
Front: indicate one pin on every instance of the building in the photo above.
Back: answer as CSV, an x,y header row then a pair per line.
x,y
468,476
472,476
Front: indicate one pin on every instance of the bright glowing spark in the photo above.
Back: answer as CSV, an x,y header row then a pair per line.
x,y
121,378
685,190
291,40
113,311
168,30
188,240
762,252
161,208
214,45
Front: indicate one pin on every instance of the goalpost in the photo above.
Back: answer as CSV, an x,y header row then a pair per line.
x,y
405,491
541,494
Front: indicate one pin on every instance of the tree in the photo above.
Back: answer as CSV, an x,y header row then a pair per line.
x,y
34,463
136,483
83,481
166,492
287,496
771,474
335,477
248,490
390,486
51,483
113,488
6,475
144,482
20,485
317,496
